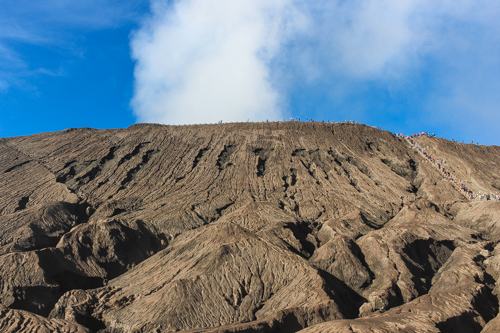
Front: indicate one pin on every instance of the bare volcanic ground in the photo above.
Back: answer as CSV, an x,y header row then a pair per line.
x,y
249,227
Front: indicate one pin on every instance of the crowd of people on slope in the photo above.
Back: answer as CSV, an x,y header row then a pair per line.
x,y
439,164
461,186
415,135
311,120
487,196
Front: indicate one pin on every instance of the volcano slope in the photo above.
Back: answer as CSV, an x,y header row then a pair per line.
x,y
254,227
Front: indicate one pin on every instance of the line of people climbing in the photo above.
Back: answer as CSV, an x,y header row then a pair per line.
x,y
415,135
439,164
310,120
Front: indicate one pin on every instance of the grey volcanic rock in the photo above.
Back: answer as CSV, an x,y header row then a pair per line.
x,y
36,227
482,216
256,227
460,300
85,257
24,283
216,275
13,321
342,258
110,245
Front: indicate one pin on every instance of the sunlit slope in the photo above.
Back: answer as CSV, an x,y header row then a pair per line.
x,y
245,226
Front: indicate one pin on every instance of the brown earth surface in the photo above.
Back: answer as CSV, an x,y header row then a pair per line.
x,y
248,227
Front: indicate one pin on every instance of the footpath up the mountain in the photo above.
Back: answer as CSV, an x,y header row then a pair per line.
x,y
247,227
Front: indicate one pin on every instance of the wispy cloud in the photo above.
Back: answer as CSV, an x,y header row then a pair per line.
x,y
233,60
51,23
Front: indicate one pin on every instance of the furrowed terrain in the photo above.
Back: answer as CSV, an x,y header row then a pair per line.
x,y
248,227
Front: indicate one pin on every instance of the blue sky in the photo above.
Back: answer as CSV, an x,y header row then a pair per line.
x,y
407,66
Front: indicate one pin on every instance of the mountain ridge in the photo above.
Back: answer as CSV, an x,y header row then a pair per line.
x,y
246,227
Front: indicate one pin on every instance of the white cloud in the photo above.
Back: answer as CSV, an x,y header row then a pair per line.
x,y
200,61
369,38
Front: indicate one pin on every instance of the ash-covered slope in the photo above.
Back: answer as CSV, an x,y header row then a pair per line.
x,y
272,227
